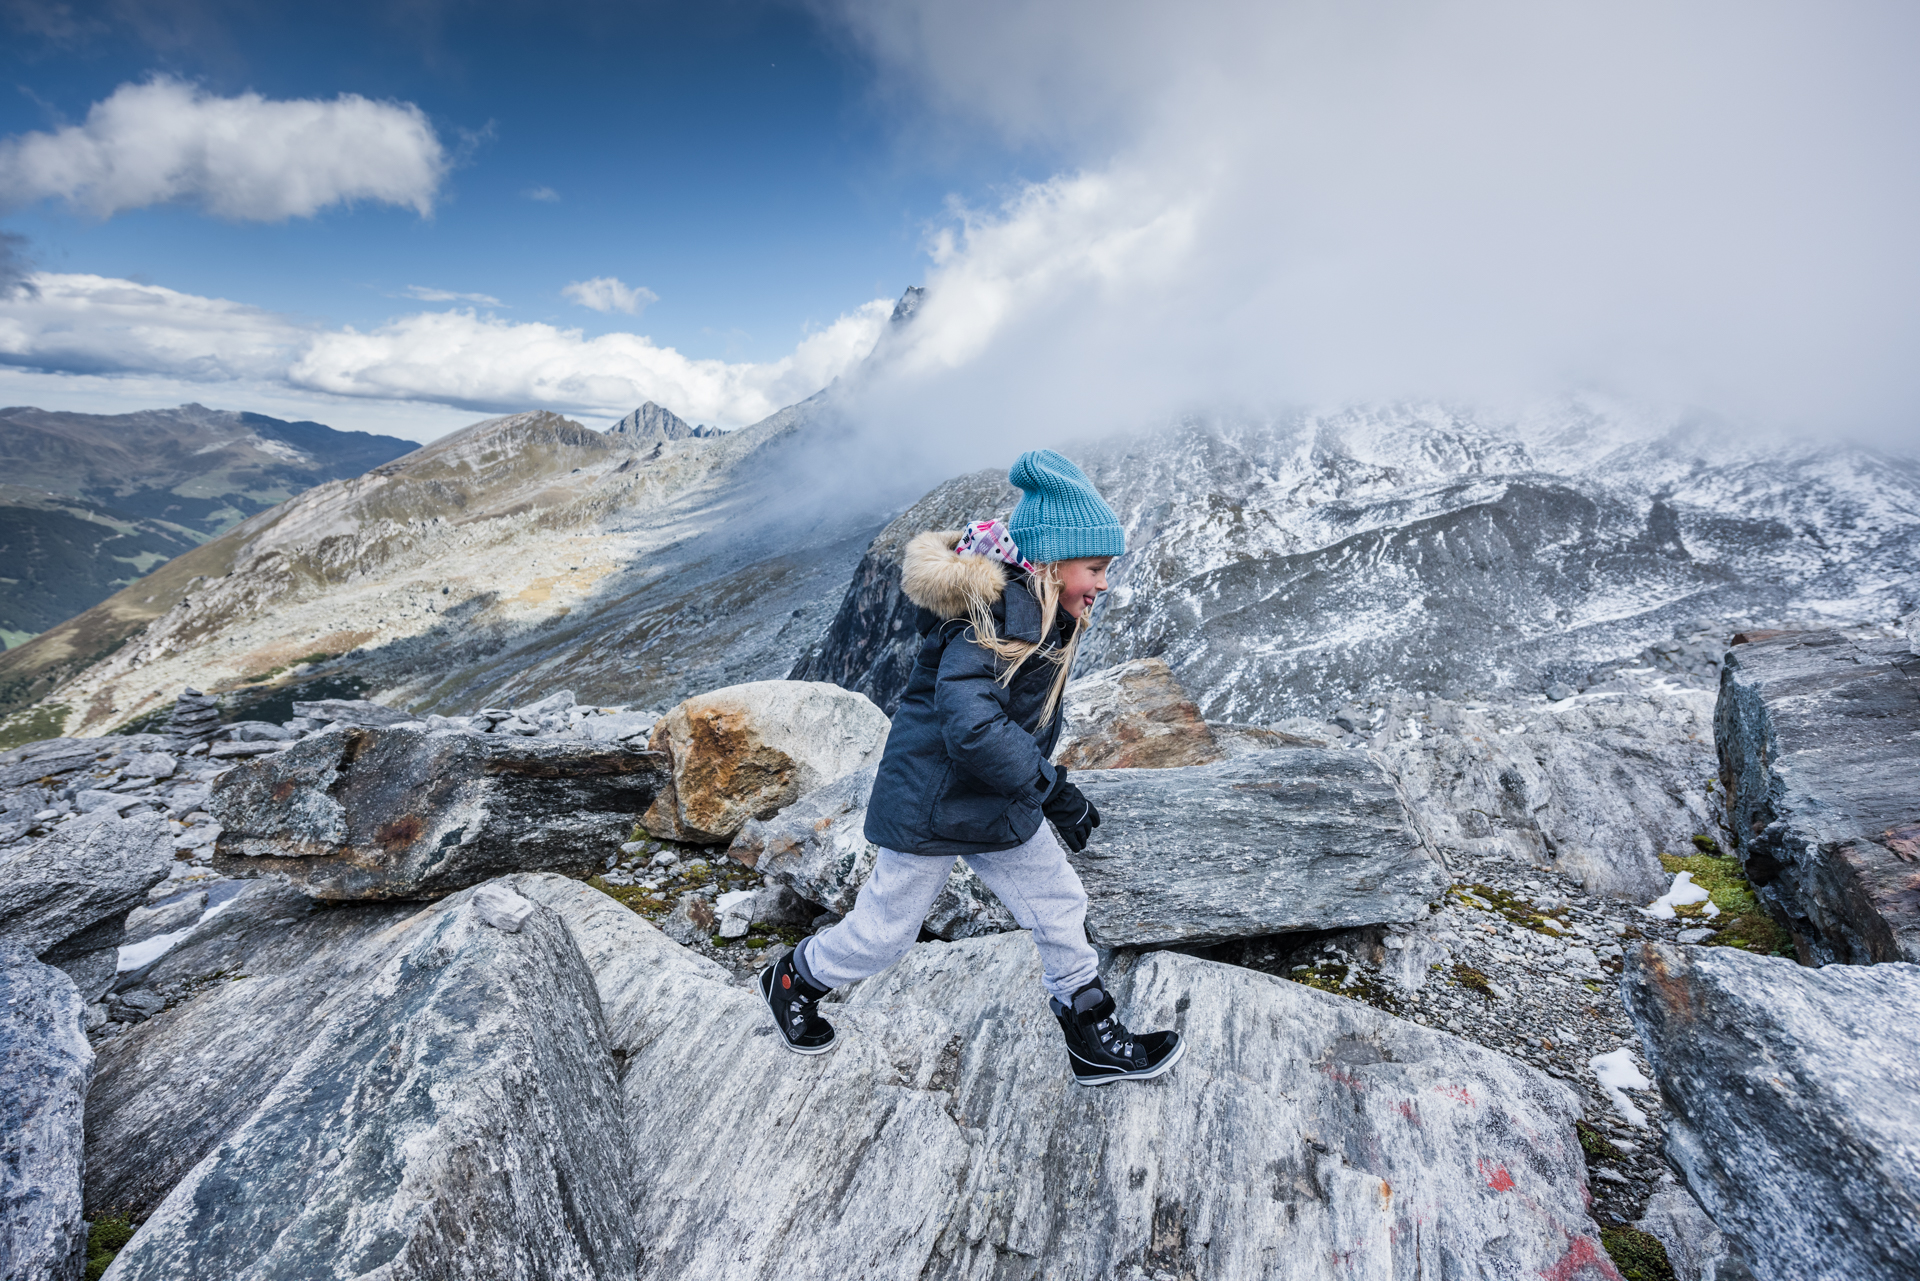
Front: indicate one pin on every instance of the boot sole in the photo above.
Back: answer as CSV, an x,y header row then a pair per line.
x,y
765,984
1164,1065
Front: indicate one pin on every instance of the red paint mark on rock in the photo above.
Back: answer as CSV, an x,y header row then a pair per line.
x,y
1406,1110
1458,1093
1583,1261
1496,1176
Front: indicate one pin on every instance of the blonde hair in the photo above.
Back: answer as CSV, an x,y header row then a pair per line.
x,y
1044,583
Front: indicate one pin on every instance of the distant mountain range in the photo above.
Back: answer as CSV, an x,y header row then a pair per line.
x,y
92,502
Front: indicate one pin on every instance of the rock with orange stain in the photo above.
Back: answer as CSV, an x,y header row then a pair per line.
x,y
1793,1103
748,751
1134,716
364,814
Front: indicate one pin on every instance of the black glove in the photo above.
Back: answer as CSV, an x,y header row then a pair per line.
x,y
1072,814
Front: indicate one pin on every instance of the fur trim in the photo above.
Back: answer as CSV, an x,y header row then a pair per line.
x,y
939,579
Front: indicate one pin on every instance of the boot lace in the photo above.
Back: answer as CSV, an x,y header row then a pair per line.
x,y
1111,1033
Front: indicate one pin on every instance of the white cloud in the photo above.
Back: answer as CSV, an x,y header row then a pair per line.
x,y
606,293
95,325
426,294
547,194
245,157
1268,204
458,357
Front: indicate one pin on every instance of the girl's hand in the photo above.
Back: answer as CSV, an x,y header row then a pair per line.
x,y
1073,815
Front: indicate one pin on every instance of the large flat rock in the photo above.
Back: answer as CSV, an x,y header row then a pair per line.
x,y
44,1069
456,1114
1303,839
1133,716
1819,742
81,874
400,813
1304,1134
1795,1104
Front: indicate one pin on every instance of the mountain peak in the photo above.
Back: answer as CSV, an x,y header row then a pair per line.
x,y
652,422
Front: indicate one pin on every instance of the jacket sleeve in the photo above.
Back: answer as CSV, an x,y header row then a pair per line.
x,y
980,737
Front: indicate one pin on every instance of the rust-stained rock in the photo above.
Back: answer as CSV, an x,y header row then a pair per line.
x,y
1793,1103
1134,716
403,813
746,751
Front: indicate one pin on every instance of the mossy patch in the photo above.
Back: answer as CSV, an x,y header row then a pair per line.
x,y
1473,980
1595,1144
1638,1255
105,1237
1706,844
1513,908
1742,922
634,898
1342,979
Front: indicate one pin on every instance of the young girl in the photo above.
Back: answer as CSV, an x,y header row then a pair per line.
x,y
966,770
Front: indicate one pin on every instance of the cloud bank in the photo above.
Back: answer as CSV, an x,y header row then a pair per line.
x,y
245,157
607,293
1699,205
96,325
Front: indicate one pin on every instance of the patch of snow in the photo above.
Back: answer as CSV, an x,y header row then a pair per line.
x,y
1617,1074
136,955
1682,893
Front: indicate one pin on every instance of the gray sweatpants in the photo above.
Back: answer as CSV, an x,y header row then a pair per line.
x,y
1034,880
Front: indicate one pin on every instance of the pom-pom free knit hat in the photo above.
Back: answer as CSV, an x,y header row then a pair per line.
x,y
1061,516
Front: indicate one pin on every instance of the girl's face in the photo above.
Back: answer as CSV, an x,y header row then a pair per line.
x,y
1081,582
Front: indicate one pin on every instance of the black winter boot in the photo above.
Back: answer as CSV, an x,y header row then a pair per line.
x,y
1102,1050
795,1006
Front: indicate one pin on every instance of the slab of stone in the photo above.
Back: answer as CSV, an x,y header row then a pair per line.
x,y
1303,839
1819,744
816,849
456,1113
402,813
45,1065
1134,715
1794,1100
944,1138
746,751
81,873
350,711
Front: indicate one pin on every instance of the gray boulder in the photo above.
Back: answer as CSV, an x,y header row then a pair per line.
x,y
251,988
815,848
80,874
944,1138
1304,839
1794,1103
455,1113
1815,734
1595,790
401,813
46,1065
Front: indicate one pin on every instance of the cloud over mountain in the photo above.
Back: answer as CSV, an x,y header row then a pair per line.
x,y
250,158
608,293
1253,204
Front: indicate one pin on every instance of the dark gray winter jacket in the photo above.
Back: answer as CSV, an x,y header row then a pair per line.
x,y
966,762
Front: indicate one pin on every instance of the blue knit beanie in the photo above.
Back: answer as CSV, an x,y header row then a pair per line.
x,y
1061,516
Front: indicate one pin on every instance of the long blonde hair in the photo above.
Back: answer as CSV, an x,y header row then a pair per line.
x,y
1044,582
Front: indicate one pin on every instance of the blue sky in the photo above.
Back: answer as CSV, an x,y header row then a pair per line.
x,y
399,217
734,159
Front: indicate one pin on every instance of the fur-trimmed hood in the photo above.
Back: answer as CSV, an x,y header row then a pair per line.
x,y
946,584
943,582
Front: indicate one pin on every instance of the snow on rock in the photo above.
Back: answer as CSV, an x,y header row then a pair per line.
x,y
1682,893
1618,1073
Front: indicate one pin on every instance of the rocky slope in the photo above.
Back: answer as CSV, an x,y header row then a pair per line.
x,y
520,553
94,501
